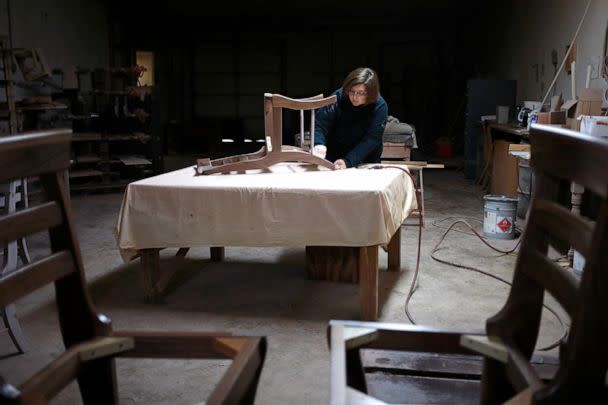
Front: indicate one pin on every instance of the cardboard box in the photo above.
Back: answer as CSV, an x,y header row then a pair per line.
x,y
504,170
553,117
589,103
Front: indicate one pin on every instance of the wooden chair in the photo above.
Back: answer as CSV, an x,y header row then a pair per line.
x,y
413,364
273,151
91,344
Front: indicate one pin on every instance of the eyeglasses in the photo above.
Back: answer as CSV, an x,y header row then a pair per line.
x,y
360,93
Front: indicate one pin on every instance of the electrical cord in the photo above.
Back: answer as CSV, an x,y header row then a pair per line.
x,y
420,224
414,284
471,268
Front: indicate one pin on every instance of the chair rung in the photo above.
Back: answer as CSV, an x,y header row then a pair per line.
x,y
567,227
104,346
483,344
560,282
35,275
30,220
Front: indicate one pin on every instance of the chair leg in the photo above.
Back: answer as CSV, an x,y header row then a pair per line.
x,y
495,386
97,382
9,316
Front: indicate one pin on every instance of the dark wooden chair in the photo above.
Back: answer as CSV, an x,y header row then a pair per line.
x,y
377,363
273,151
91,344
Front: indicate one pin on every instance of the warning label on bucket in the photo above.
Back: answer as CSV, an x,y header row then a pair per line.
x,y
496,224
504,224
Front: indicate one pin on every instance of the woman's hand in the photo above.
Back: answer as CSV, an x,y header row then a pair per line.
x,y
340,164
320,151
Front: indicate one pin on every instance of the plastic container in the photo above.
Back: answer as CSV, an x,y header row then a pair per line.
x,y
499,216
444,148
524,187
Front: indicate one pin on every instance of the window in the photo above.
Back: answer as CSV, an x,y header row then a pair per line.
x,y
145,59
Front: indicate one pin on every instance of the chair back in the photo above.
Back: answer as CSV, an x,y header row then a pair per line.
x,y
45,155
91,345
273,116
559,158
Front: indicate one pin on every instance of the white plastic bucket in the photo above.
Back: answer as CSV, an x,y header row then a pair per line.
x,y
499,216
524,187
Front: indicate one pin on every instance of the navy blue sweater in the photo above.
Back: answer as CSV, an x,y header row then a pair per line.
x,y
351,133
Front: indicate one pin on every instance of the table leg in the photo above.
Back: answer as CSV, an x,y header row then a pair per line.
x,y
394,251
368,282
150,273
217,253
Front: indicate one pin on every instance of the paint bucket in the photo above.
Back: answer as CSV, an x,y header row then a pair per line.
x,y
499,216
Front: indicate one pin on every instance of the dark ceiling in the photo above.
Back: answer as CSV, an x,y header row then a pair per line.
x,y
414,15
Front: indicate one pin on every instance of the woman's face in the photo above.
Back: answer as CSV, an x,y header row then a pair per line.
x,y
358,94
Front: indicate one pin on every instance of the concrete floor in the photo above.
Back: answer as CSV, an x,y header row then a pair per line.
x,y
263,291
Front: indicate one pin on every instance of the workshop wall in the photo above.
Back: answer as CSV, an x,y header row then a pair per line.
x,y
214,61
69,32
522,49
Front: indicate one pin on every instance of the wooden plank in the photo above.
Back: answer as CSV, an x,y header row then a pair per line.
x,y
354,397
490,346
422,363
399,389
79,173
57,375
174,345
103,347
337,365
230,346
238,385
357,337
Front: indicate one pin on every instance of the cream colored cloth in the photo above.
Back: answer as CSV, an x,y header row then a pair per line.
x,y
287,206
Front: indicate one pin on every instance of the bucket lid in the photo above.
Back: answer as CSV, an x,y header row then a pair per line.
x,y
499,198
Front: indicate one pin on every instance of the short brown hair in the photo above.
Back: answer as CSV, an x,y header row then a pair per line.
x,y
365,76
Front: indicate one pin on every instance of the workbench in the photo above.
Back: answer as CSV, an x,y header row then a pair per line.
x,y
287,205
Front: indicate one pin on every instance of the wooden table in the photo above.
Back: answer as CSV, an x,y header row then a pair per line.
x,y
353,209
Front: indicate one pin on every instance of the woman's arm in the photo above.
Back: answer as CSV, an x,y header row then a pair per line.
x,y
324,121
372,138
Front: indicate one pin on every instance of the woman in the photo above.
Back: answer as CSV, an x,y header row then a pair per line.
x,y
349,132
